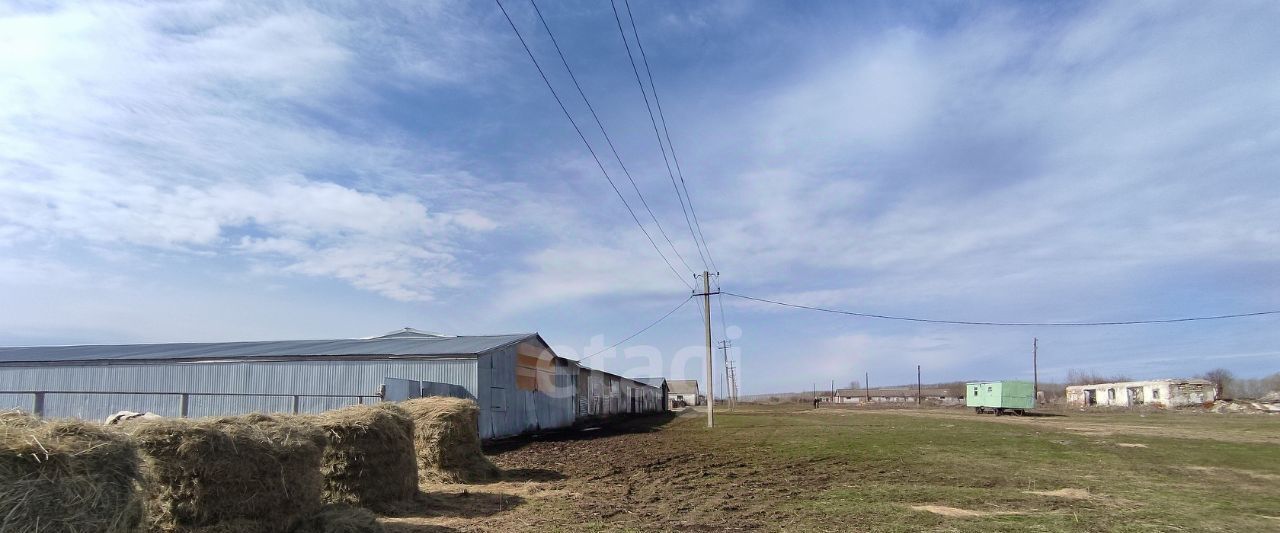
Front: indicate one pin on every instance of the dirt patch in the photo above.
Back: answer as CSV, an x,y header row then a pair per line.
x,y
625,477
954,512
1070,494
1235,471
1130,445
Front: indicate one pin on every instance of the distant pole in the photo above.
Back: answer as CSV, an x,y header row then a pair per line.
x,y
833,391
711,389
1035,370
866,384
919,389
724,347
732,381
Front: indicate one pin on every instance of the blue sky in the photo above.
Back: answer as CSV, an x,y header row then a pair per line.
x,y
199,171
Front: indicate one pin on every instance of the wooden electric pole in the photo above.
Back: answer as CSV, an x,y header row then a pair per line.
x,y
919,388
866,384
1035,370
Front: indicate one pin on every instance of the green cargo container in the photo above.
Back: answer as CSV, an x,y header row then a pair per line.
x,y
1000,397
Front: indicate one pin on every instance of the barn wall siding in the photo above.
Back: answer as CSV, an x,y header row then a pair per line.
x,y
266,377
507,410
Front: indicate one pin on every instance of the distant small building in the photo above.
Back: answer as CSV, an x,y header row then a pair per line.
x,y
896,395
1162,392
682,393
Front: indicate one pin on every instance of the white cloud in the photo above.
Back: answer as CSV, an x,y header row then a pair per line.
x,y
205,127
577,271
1001,154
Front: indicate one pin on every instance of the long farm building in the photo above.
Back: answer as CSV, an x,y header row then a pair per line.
x,y
519,383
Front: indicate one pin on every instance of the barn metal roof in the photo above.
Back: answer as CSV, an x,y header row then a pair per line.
x,y
652,382
682,386
384,346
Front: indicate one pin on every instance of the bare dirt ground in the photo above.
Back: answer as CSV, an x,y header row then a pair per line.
x,y
782,468
630,476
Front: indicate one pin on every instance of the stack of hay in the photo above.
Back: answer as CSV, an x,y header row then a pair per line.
x,y
447,434
368,457
251,474
67,476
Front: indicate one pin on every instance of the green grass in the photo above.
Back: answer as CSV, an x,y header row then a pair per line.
x,y
884,462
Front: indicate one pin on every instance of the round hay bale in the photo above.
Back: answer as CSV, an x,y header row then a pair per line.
x,y
368,457
341,519
67,477
249,473
447,438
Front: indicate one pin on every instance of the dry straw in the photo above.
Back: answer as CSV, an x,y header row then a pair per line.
x,y
368,457
448,440
250,474
67,477
341,519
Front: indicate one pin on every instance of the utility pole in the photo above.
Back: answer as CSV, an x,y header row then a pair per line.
x,y
706,308
1035,371
733,385
866,385
724,347
919,389
833,391
734,366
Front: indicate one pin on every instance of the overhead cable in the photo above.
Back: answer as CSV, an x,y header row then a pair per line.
x,y
1016,324
646,328
652,120
569,116
663,117
607,139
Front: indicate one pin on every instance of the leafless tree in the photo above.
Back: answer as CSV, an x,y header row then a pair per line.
x,y
1222,378
1090,377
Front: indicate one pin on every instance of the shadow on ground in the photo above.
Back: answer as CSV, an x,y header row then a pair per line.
x,y
1037,414
447,504
586,431
404,527
531,474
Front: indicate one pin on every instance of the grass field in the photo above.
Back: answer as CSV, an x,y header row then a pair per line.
x,y
835,469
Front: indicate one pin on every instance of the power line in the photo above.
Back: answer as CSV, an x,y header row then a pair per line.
x,y
608,140
568,116
723,328
646,328
667,132
980,323
623,34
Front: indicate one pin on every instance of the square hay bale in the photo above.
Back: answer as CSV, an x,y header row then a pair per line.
x,y
368,457
67,477
447,434
251,473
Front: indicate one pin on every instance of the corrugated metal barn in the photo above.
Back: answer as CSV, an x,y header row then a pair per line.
x,y
517,380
